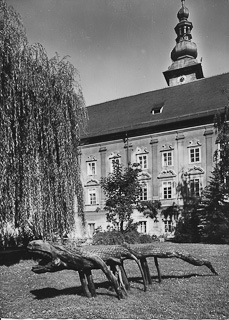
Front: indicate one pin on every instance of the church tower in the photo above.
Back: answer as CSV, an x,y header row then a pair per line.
x,y
184,68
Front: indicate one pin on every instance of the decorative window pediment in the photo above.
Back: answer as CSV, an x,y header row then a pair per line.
x,y
194,170
142,150
91,158
194,143
167,174
166,147
114,155
92,182
144,176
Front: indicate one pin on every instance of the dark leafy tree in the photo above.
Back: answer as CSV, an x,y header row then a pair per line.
x,y
42,112
122,189
188,225
214,208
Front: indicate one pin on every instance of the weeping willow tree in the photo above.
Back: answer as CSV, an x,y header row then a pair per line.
x,y
42,111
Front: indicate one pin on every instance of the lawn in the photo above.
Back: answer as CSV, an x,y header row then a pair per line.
x,y
186,291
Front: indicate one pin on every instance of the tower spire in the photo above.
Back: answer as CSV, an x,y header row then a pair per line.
x,y
184,53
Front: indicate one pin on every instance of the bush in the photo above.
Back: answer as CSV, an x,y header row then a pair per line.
x,y
145,238
117,237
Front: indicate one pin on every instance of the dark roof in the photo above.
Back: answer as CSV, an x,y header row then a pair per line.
x,y
186,104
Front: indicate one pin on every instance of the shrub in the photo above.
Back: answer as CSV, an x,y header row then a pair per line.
x,y
117,237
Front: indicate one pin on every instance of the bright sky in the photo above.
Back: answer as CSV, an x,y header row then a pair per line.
x,y
121,47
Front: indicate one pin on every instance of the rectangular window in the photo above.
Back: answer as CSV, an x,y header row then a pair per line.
x,y
144,192
194,154
168,225
91,229
195,188
91,168
113,162
167,189
167,159
142,226
92,197
143,161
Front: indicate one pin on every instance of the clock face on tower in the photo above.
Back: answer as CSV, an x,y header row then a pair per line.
x,y
181,79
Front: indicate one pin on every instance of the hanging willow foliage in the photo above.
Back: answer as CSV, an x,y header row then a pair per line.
x,y
42,111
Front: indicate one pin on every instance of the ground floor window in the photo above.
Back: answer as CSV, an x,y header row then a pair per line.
x,y
168,225
142,227
91,229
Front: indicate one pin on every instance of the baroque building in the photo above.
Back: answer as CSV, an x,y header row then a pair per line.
x,y
169,132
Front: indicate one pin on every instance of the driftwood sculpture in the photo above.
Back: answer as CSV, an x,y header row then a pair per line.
x,y
85,258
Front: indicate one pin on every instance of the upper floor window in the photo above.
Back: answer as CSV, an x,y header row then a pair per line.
x,y
142,159
194,154
91,168
167,159
113,162
167,189
144,192
195,187
142,226
92,195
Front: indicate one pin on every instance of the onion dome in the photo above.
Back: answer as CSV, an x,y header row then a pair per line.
x,y
183,13
184,49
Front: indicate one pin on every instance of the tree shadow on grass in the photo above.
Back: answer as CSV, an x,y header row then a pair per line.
x,y
183,276
53,292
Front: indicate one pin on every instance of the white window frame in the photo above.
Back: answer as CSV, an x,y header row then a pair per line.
x,y
165,162
91,228
91,168
142,159
194,149
142,227
144,192
168,225
92,197
166,185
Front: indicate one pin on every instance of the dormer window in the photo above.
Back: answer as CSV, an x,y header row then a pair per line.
x,y
157,108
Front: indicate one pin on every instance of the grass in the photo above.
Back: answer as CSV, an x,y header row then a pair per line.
x,y
186,291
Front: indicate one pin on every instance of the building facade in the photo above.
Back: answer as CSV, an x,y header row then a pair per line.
x,y
169,132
